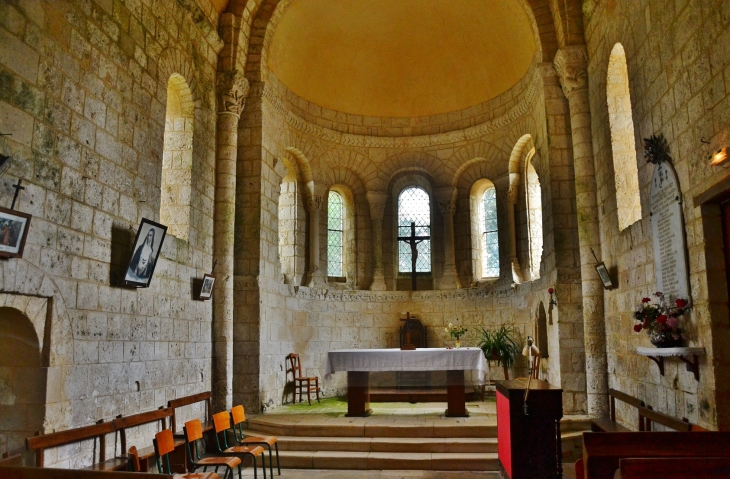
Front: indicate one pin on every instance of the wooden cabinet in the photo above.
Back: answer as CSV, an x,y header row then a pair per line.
x,y
529,444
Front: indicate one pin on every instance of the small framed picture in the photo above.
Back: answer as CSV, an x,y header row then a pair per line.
x,y
147,246
206,291
14,227
603,274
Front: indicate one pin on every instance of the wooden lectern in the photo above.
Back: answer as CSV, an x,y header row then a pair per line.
x,y
529,445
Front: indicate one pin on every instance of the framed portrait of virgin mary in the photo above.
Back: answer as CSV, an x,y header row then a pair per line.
x,y
147,246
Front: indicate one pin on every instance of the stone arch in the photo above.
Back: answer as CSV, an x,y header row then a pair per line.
x,y
349,160
291,230
177,159
304,170
439,172
621,124
174,61
481,264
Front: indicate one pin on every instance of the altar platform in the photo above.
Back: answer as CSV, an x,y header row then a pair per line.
x,y
416,438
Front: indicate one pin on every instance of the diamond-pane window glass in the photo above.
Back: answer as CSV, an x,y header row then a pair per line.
x,y
335,214
490,236
414,207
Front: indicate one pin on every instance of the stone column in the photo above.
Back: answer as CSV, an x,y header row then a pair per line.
x,y
377,201
446,199
233,88
571,64
514,188
315,202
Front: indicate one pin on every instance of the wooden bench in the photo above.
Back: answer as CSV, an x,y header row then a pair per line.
x,y
62,438
123,423
609,424
675,468
603,451
649,417
10,459
187,401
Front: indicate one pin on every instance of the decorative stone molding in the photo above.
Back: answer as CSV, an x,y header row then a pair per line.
x,y
446,199
233,89
377,200
295,122
571,63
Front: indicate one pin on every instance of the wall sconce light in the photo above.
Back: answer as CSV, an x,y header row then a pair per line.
x,y
552,297
719,157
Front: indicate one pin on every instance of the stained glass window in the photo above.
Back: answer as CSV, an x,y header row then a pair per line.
x,y
490,236
413,207
335,213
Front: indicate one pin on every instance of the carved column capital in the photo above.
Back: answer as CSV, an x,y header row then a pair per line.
x,y
233,89
571,63
512,193
315,202
316,196
446,199
377,200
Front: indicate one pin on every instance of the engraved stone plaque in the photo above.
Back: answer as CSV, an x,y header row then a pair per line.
x,y
667,226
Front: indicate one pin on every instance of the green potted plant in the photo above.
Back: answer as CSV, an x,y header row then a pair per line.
x,y
499,346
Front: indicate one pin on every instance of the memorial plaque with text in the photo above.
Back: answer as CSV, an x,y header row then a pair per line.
x,y
667,225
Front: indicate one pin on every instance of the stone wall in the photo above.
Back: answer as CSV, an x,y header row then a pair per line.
x,y
83,89
677,60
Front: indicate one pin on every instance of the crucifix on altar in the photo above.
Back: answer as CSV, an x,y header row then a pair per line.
x,y
413,241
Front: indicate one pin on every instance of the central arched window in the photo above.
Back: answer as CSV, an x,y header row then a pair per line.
x,y
414,208
335,215
489,234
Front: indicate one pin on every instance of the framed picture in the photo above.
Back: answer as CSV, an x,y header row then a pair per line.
x,y
14,227
147,246
206,291
603,274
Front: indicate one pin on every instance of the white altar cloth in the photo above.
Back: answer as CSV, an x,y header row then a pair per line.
x,y
428,359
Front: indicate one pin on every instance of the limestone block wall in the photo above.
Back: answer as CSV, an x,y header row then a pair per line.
x,y
83,90
677,61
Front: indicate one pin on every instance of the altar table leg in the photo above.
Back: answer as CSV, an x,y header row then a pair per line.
x,y
455,394
358,394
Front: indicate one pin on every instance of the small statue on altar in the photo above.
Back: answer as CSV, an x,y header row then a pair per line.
x,y
413,334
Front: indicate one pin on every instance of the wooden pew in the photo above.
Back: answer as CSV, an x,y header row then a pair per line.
x,y
122,423
187,401
649,417
16,472
97,431
10,459
675,468
602,451
610,424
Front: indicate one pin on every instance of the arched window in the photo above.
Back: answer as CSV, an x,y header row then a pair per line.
x,y
177,159
625,169
414,208
335,233
489,233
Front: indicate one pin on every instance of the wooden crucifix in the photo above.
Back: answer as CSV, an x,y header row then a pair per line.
x,y
413,241
18,189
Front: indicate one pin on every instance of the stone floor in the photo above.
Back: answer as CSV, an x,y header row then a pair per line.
x,y
339,474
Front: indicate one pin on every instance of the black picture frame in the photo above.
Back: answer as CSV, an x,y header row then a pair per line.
x,y
604,275
14,227
143,260
206,289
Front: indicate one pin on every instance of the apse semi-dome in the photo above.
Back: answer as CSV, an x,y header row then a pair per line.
x,y
401,58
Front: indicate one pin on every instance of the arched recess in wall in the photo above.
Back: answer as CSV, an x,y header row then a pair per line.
x,y
625,168
541,333
177,159
22,382
292,232
485,229
533,209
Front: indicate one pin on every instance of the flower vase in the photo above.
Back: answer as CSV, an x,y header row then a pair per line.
x,y
458,343
662,339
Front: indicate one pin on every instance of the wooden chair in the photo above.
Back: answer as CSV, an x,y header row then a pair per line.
x,y
193,433
301,382
239,417
222,424
134,465
164,443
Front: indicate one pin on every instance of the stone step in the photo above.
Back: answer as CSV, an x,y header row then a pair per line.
x,y
373,429
388,460
387,444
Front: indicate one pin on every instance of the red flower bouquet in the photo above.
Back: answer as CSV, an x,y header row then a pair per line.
x,y
661,321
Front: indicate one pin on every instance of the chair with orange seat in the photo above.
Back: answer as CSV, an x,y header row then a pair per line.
x,y
193,433
222,424
239,417
134,460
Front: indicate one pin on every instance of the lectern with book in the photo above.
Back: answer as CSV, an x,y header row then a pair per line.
x,y
529,431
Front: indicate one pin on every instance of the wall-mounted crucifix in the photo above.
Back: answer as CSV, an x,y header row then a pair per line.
x,y
413,241
18,188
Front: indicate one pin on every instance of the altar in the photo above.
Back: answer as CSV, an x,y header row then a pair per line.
x,y
358,363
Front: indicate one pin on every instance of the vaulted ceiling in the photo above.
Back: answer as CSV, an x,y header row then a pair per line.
x,y
401,58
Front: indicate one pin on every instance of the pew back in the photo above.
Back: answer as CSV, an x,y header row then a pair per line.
x,y
675,468
61,438
205,397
